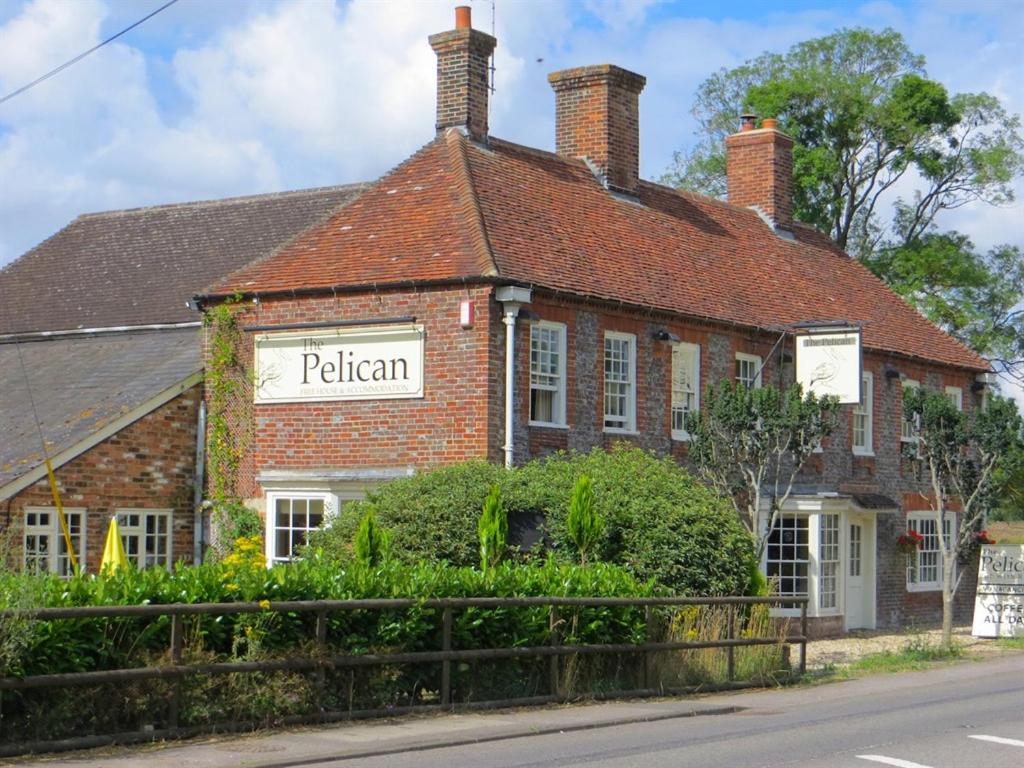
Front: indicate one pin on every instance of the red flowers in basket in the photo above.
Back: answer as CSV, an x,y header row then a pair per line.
x,y
982,537
909,542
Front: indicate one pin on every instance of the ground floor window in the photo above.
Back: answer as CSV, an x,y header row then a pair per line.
x,y
924,570
146,535
44,546
290,518
788,556
828,562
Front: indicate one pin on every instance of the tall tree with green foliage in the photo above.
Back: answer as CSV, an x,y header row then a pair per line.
x,y
865,118
958,454
749,445
584,524
492,529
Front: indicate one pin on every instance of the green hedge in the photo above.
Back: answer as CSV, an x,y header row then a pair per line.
x,y
46,647
660,522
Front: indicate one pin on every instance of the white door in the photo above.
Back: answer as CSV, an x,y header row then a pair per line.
x,y
855,575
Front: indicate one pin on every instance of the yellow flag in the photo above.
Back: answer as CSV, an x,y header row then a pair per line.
x,y
114,557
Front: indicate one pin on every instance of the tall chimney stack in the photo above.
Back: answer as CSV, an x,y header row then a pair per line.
x,y
597,116
462,65
759,170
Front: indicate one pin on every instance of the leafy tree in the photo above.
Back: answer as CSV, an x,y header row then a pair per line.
x,y
749,445
372,543
492,528
958,454
584,524
864,118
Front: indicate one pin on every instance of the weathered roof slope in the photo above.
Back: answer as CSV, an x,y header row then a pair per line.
x,y
140,266
79,385
457,210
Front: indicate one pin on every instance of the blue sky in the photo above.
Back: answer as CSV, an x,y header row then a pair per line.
x,y
227,97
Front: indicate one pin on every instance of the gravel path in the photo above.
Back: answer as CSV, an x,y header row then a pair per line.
x,y
853,646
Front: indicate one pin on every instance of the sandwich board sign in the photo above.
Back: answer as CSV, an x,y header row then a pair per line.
x,y
999,604
828,361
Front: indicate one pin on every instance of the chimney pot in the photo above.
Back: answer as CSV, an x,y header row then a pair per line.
x,y
748,122
770,123
463,17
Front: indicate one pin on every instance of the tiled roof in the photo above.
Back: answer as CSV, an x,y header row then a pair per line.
x,y
456,210
79,385
140,266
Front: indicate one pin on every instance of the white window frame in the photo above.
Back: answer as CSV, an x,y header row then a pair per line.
x,y
141,557
331,507
828,580
57,560
626,422
755,360
906,425
685,399
865,410
915,563
956,396
794,521
537,376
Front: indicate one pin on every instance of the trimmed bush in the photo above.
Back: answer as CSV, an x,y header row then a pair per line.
x,y
658,520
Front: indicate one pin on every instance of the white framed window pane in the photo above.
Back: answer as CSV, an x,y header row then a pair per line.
x,y
787,555
294,517
619,381
44,547
862,416
855,553
925,568
748,370
685,386
828,560
956,397
146,536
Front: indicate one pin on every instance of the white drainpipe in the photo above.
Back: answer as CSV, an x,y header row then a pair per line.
x,y
512,298
198,540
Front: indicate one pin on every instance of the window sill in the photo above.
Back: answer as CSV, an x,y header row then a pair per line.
x,y
864,454
924,587
547,425
681,437
620,431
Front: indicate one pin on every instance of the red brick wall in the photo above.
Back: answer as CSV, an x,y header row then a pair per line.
x,y
149,464
463,57
450,423
759,170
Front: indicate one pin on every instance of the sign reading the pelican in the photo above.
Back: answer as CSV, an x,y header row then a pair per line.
x,y
828,362
340,364
999,604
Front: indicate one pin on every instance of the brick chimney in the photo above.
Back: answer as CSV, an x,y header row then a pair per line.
x,y
462,87
759,170
597,116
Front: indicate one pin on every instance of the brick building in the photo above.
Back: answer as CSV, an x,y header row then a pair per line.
x,y
481,300
101,371
490,300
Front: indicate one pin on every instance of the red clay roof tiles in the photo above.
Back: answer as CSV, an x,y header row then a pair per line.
x,y
457,210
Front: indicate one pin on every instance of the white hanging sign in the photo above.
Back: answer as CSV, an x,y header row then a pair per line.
x,y
340,364
828,362
999,601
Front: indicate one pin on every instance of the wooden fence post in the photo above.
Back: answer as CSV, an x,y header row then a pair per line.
x,y
446,665
730,634
320,676
555,639
177,643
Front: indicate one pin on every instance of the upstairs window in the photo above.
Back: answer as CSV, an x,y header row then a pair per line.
x,y
685,386
44,546
956,397
907,425
619,381
547,373
863,426
748,370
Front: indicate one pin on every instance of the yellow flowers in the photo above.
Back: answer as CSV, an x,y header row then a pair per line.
x,y
247,553
264,605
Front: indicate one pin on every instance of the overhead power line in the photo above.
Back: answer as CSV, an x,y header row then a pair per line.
x,y
81,56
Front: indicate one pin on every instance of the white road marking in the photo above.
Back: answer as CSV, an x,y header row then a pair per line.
x,y
891,761
998,740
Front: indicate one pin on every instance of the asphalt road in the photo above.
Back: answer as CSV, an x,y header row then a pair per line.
x,y
958,717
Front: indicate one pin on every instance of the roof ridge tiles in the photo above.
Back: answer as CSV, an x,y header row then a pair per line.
x,y
470,204
220,201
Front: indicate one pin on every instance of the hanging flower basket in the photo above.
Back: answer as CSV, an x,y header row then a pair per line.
x,y
910,542
982,537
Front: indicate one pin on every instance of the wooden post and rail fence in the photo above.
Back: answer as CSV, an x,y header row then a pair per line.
x,y
322,659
